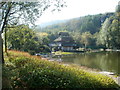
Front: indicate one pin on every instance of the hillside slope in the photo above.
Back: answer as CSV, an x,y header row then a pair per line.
x,y
90,23
25,71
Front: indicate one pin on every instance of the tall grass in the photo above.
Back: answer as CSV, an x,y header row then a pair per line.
x,y
25,71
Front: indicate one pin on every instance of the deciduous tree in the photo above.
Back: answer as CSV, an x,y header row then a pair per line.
x,y
15,13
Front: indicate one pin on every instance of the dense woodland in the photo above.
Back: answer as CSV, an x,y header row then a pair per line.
x,y
91,32
22,70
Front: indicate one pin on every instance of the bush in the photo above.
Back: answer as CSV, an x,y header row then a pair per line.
x,y
32,72
45,49
31,52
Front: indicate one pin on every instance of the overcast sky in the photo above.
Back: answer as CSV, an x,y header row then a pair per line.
x,y
77,8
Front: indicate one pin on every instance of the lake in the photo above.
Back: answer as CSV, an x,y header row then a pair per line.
x,y
104,61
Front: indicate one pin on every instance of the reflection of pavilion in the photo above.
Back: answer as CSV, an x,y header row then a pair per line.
x,y
64,42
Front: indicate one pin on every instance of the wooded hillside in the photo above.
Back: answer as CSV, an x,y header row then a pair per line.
x,y
90,23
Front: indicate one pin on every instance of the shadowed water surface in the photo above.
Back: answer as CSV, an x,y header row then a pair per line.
x,y
104,61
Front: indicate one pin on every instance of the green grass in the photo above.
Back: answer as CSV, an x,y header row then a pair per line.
x,y
22,70
62,53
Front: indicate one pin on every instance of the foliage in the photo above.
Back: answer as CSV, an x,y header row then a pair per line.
x,y
33,72
90,23
92,31
86,39
83,30
117,9
110,32
27,12
43,37
23,38
16,13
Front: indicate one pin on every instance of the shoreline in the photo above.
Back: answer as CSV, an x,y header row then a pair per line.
x,y
115,77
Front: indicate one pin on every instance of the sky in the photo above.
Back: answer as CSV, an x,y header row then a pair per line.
x,y
77,8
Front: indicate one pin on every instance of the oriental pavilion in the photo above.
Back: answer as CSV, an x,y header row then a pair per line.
x,y
64,43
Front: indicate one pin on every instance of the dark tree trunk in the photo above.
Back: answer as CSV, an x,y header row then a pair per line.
x,y
2,29
5,41
1,49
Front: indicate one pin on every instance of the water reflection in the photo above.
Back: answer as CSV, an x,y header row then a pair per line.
x,y
105,61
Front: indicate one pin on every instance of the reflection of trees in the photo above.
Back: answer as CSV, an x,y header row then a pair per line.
x,y
88,59
107,61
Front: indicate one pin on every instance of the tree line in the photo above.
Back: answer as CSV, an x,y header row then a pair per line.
x,y
17,13
92,31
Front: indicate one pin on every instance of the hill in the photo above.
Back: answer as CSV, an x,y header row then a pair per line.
x,y
42,25
90,23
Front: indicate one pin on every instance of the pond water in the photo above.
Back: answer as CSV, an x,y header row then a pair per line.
x,y
104,61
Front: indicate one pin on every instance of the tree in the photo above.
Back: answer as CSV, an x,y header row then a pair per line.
x,y
104,34
110,32
86,39
77,37
22,38
117,10
15,13
115,33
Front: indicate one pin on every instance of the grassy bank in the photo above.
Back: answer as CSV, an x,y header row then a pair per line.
x,y
22,70
62,53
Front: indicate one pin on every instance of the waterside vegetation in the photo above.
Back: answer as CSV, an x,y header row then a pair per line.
x,y
22,70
